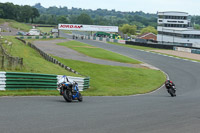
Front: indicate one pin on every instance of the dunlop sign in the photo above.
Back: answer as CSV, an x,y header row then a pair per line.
x,y
87,27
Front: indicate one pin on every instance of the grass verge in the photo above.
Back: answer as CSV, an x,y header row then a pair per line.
x,y
148,49
176,56
115,80
29,93
97,52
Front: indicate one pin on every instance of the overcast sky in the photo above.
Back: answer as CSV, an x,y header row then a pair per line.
x,y
147,6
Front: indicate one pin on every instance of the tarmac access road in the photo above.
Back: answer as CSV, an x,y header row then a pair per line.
x,y
156,112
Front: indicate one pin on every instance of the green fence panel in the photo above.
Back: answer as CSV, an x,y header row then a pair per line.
x,y
15,81
86,83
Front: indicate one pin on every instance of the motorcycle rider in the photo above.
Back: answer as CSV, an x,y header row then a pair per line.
x,y
169,83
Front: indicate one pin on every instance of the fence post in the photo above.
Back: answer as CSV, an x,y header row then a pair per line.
x,y
2,62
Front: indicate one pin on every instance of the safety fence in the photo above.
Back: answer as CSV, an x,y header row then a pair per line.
x,y
36,37
36,81
9,62
189,50
105,39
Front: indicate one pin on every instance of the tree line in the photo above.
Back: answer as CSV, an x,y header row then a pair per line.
x,y
54,15
24,13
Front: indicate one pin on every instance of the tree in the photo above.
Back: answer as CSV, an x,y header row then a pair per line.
x,y
197,26
149,29
35,14
84,19
128,29
62,19
26,13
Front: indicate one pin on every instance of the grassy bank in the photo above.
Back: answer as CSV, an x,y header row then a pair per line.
x,y
117,81
133,46
16,25
33,61
98,52
20,26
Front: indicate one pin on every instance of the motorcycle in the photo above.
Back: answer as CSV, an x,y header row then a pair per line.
x,y
69,90
171,89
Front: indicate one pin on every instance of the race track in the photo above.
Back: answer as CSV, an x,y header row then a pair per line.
x,y
151,113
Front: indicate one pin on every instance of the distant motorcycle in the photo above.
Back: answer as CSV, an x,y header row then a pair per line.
x,y
171,89
69,90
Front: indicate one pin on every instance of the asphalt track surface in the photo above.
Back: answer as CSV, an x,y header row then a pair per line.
x,y
156,112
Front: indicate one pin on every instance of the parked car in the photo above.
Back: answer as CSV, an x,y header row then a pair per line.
x,y
34,32
22,33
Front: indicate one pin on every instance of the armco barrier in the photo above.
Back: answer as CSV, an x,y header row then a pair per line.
x,y
36,37
150,45
2,80
195,51
19,80
16,81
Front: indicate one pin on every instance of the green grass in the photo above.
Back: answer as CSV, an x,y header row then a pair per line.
x,y
133,46
45,29
43,39
67,31
33,61
2,21
29,93
98,52
21,26
116,81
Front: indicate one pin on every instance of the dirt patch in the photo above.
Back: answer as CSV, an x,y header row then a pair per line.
x,y
179,53
9,31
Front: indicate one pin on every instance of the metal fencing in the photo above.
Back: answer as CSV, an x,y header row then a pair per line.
x,y
9,62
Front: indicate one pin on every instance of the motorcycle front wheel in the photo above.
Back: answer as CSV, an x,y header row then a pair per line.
x,y
67,95
80,98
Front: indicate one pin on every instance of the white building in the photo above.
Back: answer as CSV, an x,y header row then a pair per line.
x,y
174,27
